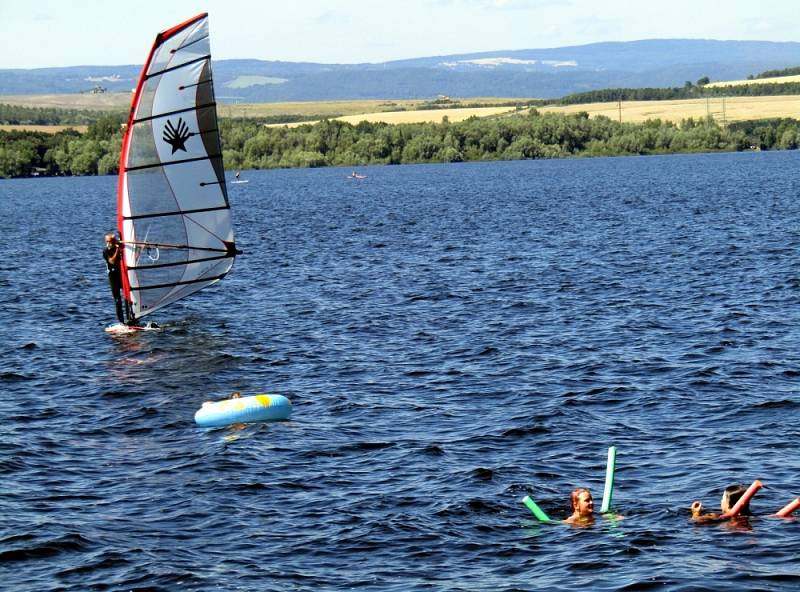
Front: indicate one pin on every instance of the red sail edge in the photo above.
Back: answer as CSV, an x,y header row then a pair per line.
x,y
123,156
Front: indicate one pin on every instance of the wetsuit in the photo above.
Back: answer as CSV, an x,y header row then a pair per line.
x,y
115,275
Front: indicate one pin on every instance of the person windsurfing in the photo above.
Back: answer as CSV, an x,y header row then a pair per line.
x,y
173,134
112,253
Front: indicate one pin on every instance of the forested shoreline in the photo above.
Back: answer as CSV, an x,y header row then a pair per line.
x,y
248,144
688,91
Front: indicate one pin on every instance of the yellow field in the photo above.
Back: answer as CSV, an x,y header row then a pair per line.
x,y
731,109
431,115
305,108
776,80
393,111
48,129
728,109
340,108
83,101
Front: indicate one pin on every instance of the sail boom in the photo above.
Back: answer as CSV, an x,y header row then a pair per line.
x,y
181,263
167,246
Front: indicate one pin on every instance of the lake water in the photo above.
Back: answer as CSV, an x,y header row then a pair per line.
x,y
452,338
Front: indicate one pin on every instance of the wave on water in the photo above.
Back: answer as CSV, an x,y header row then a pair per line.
x,y
452,338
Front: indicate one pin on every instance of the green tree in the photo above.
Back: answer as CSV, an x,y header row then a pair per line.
x,y
789,140
105,127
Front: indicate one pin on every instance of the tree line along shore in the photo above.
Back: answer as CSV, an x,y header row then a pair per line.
x,y
525,133
529,135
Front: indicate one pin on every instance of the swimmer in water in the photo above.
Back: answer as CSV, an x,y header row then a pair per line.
x,y
582,507
730,496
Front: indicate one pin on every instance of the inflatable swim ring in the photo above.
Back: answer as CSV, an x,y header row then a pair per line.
x,y
243,410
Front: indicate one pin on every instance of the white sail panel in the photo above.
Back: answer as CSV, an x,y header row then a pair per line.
x,y
181,86
178,186
173,204
184,46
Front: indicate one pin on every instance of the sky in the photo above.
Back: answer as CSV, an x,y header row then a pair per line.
x,y
52,33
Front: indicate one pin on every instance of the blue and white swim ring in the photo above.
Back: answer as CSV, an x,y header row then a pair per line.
x,y
243,410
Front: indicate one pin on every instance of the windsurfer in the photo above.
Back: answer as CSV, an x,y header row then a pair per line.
x,y
193,225
112,253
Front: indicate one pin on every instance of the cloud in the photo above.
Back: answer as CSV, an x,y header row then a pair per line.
x,y
761,26
330,17
527,4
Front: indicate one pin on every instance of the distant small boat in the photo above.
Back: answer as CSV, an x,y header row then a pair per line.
x,y
355,175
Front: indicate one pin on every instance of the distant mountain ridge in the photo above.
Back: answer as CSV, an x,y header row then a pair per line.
x,y
543,73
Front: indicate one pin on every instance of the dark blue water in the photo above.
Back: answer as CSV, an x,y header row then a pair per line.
x,y
452,338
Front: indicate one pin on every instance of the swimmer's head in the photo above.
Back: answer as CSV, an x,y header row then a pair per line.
x,y
582,502
731,495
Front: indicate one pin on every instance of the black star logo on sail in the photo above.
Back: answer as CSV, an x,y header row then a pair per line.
x,y
176,135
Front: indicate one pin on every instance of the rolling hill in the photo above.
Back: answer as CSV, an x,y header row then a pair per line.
x,y
544,73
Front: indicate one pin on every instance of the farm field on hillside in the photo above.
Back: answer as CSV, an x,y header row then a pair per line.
x,y
726,109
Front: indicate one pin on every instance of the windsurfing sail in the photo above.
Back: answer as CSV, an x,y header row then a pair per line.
x,y
173,214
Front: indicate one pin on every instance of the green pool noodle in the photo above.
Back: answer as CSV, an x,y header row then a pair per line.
x,y
536,510
609,489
